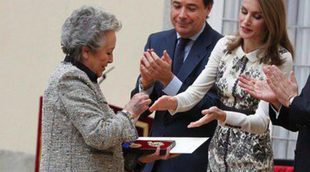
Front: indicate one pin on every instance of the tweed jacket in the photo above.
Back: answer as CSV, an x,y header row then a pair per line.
x,y
79,130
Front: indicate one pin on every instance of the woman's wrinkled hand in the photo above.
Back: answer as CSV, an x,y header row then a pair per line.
x,y
138,104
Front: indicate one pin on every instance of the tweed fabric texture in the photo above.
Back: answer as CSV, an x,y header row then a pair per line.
x,y
80,132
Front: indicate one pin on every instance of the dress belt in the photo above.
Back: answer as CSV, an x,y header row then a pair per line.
x,y
227,108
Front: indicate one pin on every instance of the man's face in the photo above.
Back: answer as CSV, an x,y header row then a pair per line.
x,y
188,16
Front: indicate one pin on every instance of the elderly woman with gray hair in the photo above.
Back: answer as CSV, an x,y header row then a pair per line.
x,y
80,132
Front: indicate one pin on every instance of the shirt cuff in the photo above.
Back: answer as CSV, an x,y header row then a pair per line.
x,y
231,120
291,100
173,87
172,112
277,112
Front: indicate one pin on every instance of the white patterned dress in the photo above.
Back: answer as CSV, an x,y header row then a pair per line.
x,y
242,142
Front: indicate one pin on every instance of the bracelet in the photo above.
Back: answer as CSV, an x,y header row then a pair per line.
x,y
130,116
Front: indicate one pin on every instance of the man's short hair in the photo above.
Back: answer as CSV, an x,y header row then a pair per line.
x,y
208,2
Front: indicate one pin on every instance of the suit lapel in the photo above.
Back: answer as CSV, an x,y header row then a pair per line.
x,y
196,54
170,43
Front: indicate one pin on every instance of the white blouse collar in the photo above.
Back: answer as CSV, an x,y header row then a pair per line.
x,y
252,56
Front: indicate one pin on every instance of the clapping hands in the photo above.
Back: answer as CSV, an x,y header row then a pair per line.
x,y
277,88
153,68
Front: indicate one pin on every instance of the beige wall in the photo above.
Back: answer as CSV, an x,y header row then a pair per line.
x,y
30,50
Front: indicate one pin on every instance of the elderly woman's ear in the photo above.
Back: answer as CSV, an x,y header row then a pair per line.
x,y
85,52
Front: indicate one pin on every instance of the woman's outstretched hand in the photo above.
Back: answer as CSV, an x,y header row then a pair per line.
x,y
209,115
164,103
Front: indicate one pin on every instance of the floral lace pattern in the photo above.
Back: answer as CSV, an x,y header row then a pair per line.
x,y
232,149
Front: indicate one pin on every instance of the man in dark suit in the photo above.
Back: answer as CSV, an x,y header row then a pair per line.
x,y
294,114
163,76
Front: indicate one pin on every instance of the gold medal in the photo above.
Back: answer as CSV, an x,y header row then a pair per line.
x,y
155,144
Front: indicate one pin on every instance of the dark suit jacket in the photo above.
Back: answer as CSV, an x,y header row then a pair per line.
x,y
176,126
297,118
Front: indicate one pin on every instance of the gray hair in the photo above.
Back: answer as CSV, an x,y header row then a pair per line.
x,y
85,27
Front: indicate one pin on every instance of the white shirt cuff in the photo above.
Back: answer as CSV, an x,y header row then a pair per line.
x,y
232,120
277,112
292,99
173,87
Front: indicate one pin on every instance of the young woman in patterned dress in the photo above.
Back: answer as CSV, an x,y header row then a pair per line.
x,y
241,141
